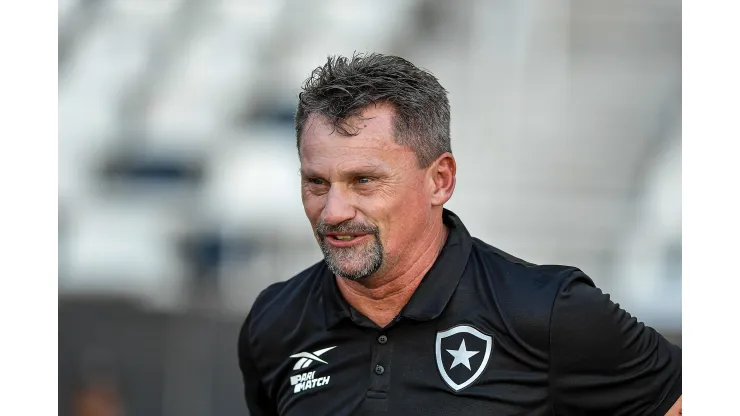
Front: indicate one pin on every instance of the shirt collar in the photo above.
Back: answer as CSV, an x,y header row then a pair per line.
x,y
435,290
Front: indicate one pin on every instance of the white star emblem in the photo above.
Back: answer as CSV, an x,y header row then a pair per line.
x,y
462,356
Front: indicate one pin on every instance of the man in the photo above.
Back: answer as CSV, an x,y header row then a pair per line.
x,y
409,314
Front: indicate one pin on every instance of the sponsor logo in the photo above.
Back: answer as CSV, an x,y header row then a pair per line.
x,y
307,381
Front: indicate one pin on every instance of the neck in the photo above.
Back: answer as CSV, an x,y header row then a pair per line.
x,y
386,293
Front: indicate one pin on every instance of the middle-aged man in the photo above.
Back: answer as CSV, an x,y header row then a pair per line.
x,y
408,314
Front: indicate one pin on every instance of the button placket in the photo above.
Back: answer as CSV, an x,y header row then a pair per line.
x,y
382,351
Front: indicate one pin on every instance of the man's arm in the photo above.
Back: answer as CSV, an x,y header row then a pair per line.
x,y
676,409
603,361
258,402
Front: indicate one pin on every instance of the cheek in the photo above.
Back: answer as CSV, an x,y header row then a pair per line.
x,y
407,194
406,214
312,206
413,198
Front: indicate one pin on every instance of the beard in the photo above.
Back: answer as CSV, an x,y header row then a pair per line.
x,y
353,263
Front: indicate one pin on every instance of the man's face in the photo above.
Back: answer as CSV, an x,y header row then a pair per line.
x,y
366,197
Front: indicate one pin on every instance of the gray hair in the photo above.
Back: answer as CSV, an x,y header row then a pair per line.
x,y
343,87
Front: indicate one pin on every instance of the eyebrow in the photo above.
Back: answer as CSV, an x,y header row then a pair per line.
x,y
358,170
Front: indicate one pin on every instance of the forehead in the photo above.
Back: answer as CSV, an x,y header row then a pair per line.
x,y
375,144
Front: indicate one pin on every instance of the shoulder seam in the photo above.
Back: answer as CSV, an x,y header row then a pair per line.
x,y
279,286
504,255
549,339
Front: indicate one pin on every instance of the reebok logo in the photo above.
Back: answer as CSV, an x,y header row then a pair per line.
x,y
307,358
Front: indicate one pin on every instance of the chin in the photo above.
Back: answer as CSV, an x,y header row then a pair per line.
x,y
357,264
354,274
354,278
357,273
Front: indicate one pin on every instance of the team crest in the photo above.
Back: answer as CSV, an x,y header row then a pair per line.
x,y
462,354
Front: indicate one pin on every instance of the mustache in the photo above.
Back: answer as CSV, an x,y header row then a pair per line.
x,y
346,227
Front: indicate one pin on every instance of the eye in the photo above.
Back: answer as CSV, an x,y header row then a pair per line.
x,y
316,181
363,179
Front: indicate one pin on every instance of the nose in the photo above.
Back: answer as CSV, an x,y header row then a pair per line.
x,y
338,208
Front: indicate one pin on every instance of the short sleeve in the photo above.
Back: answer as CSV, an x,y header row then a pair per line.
x,y
603,361
255,394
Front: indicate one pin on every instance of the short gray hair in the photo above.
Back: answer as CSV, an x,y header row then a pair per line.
x,y
343,87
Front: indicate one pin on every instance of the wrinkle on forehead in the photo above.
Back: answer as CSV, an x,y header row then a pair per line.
x,y
374,147
352,144
355,153
379,117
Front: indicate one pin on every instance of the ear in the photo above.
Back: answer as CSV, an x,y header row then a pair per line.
x,y
442,173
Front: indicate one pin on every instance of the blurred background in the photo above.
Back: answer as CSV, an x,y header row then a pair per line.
x,y
178,174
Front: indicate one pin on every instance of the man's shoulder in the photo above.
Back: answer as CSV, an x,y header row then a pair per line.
x,y
524,293
278,304
505,269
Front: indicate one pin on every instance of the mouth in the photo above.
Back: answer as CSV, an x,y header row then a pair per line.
x,y
344,237
345,240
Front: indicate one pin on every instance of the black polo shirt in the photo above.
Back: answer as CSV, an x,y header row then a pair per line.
x,y
484,334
